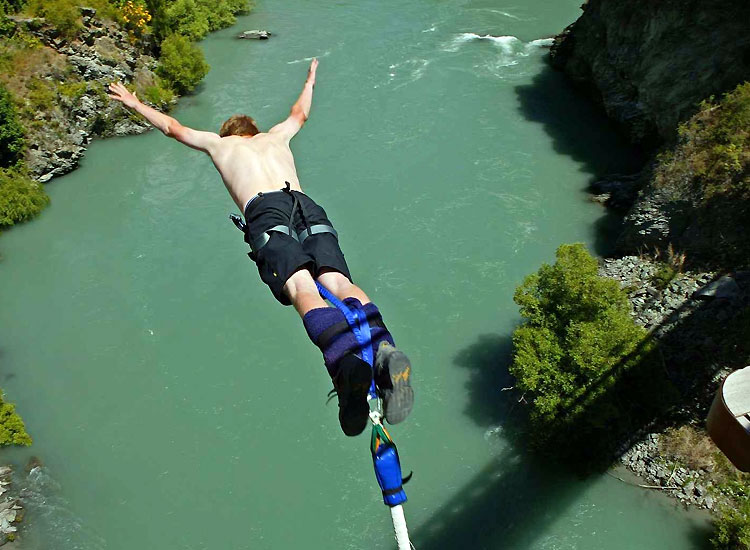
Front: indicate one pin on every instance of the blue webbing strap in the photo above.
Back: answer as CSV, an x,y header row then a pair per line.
x,y
357,320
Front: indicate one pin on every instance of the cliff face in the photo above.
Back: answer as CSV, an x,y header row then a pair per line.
x,y
649,62
61,87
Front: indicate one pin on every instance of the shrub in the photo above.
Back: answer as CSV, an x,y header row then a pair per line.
x,y
222,14
663,276
7,27
159,95
159,22
732,528
187,18
11,6
181,64
135,15
64,15
11,132
715,144
574,352
21,198
72,90
707,179
12,429
192,18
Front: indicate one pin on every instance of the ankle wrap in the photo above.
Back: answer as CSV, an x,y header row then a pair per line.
x,y
328,329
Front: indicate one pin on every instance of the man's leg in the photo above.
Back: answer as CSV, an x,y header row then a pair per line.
x,y
351,376
341,287
392,367
303,292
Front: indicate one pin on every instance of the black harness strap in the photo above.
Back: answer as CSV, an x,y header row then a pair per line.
x,y
308,231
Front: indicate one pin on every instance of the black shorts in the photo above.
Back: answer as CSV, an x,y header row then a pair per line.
x,y
282,255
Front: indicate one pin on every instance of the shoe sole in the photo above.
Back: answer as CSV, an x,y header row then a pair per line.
x,y
398,400
353,418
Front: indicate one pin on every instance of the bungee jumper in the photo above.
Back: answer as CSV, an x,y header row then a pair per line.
x,y
295,248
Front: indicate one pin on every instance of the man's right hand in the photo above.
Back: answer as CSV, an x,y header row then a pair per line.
x,y
120,93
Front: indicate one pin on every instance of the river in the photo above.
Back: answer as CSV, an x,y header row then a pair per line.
x,y
176,405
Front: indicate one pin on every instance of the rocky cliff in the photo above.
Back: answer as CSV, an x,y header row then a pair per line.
x,y
63,92
649,62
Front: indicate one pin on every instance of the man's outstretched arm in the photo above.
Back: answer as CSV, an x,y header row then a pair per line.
x,y
203,141
301,108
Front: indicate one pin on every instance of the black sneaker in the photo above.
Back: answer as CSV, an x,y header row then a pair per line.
x,y
351,383
393,378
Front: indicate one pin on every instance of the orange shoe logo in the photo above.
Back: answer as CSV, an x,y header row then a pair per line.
x,y
402,376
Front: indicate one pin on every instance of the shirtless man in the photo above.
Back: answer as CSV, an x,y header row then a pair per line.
x,y
293,243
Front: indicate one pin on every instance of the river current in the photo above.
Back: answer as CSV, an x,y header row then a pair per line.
x,y
176,405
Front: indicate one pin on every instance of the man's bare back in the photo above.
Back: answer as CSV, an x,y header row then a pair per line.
x,y
249,166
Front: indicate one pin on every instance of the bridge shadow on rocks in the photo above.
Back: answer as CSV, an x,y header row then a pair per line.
x,y
510,501
580,130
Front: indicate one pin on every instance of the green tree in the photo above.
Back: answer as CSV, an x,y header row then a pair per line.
x,y
11,133
159,22
188,18
12,429
21,198
182,63
573,350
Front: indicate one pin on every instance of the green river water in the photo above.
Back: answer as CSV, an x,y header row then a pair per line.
x,y
176,405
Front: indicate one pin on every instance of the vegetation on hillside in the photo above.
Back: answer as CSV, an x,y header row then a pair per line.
x,y
35,80
11,132
733,528
709,169
586,369
690,447
21,198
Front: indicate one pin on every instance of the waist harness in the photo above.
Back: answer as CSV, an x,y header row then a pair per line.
x,y
260,241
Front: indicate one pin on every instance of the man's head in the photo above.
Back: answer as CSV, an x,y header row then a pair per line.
x,y
238,125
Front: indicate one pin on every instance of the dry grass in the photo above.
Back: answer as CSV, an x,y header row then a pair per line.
x,y
690,447
22,64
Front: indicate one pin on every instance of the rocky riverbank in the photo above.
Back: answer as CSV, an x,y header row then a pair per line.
x,y
70,75
11,510
691,315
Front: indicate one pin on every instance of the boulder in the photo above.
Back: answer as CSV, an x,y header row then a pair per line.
x,y
254,34
724,287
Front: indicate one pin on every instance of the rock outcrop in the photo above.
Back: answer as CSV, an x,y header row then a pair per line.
x,y
79,71
648,63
